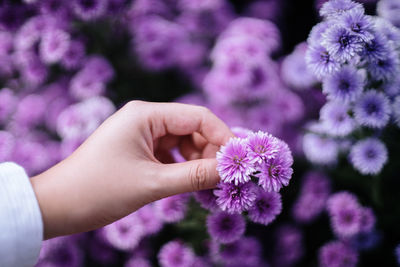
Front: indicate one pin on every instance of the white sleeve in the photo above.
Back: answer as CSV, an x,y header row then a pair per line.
x,y
21,226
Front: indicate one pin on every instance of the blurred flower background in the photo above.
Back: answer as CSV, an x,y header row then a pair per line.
x,y
321,75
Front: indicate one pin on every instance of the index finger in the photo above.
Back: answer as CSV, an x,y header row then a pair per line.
x,y
184,119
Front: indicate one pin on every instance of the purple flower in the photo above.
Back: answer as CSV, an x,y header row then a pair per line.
x,y
391,32
358,23
320,61
336,254
341,43
368,156
276,172
99,67
89,9
316,35
261,147
175,254
124,234
396,110
336,120
235,198
266,207
86,85
384,68
74,55
172,209
30,111
63,252
345,85
390,10
7,144
340,200
368,220
148,217
225,227
335,8
234,165
207,199
372,110
346,222
320,150
54,45
138,262
366,240
294,69
58,9
288,246
8,104
376,49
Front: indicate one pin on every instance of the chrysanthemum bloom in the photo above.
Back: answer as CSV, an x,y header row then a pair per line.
x,y
8,104
99,67
334,8
391,32
176,254
369,156
341,43
320,61
85,85
261,147
266,207
358,23
289,247
172,209
307,207
336,120
346,222
207,199
315,36
376,49
30,111
294,70
372,110
396,110
336,254
34,72
234,165
61,252
224,227
235,198
89,9
320,150
385,68
390,10
341,199
124,234
276,172
346,85
368,220
7,143
74,55
54,45
149,218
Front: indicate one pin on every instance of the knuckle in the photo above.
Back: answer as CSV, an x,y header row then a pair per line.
x,y
198,177
134,104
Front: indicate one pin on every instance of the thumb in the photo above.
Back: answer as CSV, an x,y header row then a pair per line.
x,y
190,176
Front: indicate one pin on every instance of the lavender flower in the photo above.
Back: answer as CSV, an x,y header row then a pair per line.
x,y
372,110
207,199
172,209
234,165
335,254
124,234
266,207
345,85
175,254
320,150
368,156
336,120
224,227
235,198
277,172
334,8
54,45
341,43
346,222
261,147
320,61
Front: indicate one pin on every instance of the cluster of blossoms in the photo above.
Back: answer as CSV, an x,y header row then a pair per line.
x,y
356,56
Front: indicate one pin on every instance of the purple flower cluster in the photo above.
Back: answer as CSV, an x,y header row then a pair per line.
x,y
259,156
356,57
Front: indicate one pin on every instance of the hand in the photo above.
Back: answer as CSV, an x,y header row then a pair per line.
x,y
126,164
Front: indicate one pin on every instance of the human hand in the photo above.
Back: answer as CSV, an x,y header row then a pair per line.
x,y
126,164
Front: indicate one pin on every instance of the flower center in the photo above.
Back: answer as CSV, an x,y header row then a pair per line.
x,y
260,149
344,40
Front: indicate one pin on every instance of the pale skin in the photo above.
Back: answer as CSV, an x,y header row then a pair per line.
x,y
125,164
